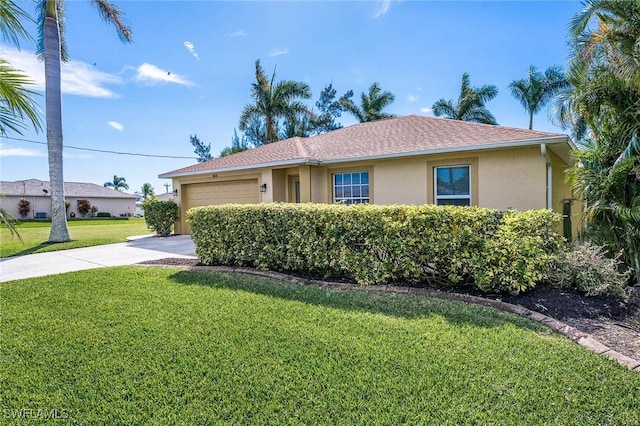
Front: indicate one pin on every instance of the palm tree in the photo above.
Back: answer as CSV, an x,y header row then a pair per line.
x,y
372,104
53,50
273,101
537,89
146,190
470,106
601,108
16,101
118,183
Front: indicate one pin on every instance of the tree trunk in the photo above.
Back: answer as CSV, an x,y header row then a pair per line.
x,y
53,99
531,120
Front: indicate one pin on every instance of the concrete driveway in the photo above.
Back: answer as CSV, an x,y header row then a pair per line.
x,y
136,250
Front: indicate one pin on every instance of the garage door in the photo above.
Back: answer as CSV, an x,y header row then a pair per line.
x,y
244,191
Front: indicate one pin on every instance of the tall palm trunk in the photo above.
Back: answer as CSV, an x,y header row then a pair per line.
x,y
52,59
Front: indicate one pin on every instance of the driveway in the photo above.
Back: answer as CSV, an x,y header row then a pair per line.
x,y
136,250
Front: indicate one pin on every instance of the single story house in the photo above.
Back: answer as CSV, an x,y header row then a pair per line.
x,y
406,160
38,194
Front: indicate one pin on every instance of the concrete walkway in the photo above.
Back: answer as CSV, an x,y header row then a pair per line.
x,y
137,249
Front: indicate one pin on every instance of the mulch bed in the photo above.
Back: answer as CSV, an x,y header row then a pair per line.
x,y
608,319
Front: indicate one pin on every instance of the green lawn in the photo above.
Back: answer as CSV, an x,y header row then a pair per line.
x,y
135,345
84,233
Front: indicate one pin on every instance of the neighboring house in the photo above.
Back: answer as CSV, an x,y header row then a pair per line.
x,y
405,160
38,193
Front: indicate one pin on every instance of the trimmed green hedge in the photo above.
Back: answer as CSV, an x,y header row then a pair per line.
x,y
371,244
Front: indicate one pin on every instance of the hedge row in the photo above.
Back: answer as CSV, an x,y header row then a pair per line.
x,y
371,244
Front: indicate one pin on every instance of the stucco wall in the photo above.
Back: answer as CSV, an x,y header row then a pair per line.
x,y
501,179
115,206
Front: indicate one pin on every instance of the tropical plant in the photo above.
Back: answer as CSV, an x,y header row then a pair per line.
x,y
272,101
160,215
118,183
53,50
202,151
329,109
16,102
536,90
602,110
147,191
371,104
24,207
237,145
470,105
84,207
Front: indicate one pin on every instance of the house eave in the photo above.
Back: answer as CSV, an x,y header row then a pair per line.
x,y
292,162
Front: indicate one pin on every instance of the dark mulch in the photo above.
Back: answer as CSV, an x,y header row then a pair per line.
x,y
612,321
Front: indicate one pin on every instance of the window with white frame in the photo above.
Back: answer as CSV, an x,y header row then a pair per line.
x,y
452,185
351,188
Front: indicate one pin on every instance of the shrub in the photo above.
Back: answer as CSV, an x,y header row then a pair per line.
x,y
160,215
498,251
103,214
94,210
84,207
24,207
587,268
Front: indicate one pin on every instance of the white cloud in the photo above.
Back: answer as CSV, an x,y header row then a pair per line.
x,y
239,33
119,127
426,110
383,7
279,52
19,152
191,48
77,77
412,98
151,75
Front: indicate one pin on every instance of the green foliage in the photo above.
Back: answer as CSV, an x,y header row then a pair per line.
x,y
118,183
201,150
103,214
84,207
499,251
160,215
24,207
470,105
371,104
587,268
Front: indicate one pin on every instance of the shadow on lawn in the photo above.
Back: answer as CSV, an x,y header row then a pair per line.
x,y
392,304
33,249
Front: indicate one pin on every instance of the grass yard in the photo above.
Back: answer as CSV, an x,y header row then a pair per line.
x,y
85,233
135,345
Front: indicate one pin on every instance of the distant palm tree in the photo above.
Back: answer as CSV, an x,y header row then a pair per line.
x,y
53,50
147,190
16,102
372,104
537,89
118,183
470,106
273,101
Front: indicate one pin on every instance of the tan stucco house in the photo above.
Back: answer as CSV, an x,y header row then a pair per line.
x,y
405,160
38,193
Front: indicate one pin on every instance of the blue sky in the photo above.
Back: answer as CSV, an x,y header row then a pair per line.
x,y
191,64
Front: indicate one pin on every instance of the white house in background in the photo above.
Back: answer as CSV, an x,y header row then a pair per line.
x,y
38,194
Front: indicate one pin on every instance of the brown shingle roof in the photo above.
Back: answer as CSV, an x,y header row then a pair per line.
x,y
34,187
402,136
